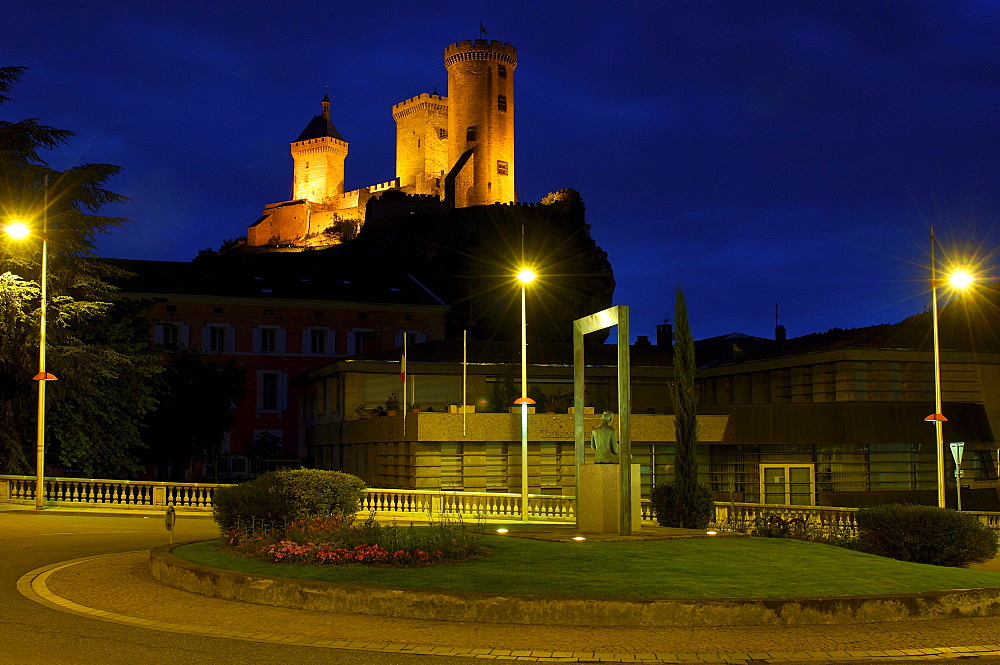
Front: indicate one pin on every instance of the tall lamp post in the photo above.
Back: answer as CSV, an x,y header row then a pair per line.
x,y
958,280
526,276
20,230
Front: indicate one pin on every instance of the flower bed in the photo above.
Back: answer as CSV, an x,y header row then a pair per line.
x,y
329,541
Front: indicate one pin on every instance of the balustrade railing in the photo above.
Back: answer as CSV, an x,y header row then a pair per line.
x,y
135,494
197,497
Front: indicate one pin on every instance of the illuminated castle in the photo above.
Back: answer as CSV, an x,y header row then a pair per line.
x,y
457,149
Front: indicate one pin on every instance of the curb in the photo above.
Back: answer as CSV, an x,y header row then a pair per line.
x,y
473,606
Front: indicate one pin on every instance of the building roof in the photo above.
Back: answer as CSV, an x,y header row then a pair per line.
x,y
319,127
837,423
971,323
280,276
548,353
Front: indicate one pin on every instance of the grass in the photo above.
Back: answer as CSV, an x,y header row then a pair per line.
x,y
682,568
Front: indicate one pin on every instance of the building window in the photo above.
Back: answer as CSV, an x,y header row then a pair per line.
x,y
470,133
317,341
268,340
171,308
171,335
501,102
442,133
268,312
269,391
502,71
216,310
412,337
787,484
272,390
363,341
216,338
501,167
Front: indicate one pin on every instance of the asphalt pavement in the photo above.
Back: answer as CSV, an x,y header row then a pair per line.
x,y
86,597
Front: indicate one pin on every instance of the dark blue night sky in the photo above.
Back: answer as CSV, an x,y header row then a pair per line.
x,y
751,152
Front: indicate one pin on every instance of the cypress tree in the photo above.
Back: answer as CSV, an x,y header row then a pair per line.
x,y
686,489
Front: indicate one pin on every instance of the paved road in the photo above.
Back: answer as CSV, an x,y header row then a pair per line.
x,y
33,633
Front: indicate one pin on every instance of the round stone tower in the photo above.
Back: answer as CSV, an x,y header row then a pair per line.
x,y
481,120
318,156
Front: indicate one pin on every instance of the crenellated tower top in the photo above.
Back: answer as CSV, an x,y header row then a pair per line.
x,y
481,49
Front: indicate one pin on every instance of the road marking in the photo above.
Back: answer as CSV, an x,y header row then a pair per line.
x,y
32,585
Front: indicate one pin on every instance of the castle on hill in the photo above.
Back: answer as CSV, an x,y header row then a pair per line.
x,y
455,150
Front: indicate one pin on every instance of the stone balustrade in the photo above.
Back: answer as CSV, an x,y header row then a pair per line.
x,y
89,493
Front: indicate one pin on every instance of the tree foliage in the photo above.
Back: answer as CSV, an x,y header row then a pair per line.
x,y
469,256
196,395
688,504
97,350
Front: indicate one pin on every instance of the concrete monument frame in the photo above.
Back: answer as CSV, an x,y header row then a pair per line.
x,y
606,318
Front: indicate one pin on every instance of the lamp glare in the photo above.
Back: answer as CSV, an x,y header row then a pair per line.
x,y
960,279
527,275
17,230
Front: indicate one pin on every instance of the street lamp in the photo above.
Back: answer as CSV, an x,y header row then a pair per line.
x,y
20,230
959,280
525,276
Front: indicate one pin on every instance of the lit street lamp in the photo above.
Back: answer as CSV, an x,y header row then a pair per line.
x,y
958,280
526,276
20,230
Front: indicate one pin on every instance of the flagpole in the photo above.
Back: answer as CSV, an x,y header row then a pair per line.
x,y
402,373
465,364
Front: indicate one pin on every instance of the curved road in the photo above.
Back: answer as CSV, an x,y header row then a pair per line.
x,y
32,633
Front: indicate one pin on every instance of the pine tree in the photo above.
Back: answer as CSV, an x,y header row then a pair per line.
x,y
96,350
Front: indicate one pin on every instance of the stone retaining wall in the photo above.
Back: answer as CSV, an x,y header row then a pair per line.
x,y
548,610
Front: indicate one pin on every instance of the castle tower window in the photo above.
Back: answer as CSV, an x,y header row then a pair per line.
x,y
502,71
442,133
501,102
470,133
501,167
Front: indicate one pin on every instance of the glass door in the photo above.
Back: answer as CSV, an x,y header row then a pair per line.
x,y
787,484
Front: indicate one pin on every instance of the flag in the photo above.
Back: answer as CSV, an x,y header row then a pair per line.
x,y
402,367
482,30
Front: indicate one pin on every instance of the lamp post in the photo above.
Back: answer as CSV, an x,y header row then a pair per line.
x,y
19,230
525,276
959,280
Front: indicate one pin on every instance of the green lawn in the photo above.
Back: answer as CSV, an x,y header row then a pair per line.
x,y
682,568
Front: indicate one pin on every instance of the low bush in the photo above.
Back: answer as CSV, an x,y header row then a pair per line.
x,y
667,514
925,534
274,499
258,504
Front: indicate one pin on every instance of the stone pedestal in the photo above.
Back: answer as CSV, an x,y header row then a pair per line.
x,y
598,506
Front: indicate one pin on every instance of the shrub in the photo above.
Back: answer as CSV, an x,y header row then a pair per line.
x,y
315,492
260,504
274,499
702,507
925,534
